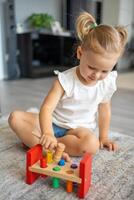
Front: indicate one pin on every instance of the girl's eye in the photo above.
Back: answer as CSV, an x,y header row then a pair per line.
x,y
105,72
90,67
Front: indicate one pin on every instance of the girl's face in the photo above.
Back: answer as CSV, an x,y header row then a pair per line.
x,y
94,67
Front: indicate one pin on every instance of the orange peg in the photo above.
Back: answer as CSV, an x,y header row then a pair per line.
x,y
69,186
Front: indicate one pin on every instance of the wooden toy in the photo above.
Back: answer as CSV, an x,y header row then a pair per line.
x,y
49,157
59,151
37,165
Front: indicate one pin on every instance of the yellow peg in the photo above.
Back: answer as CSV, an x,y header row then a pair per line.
x,y
49,157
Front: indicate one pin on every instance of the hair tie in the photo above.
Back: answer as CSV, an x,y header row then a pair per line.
x,y
93,25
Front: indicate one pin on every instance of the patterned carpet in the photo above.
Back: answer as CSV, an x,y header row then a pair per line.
x,y
112,179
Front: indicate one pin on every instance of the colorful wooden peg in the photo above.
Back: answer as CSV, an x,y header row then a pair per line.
x,y
59,151
49,157
69,186
56,183
43,162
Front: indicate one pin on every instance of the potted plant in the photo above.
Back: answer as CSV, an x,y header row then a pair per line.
x,y
40,20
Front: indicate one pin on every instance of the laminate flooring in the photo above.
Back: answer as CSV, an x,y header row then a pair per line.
x,y
25,93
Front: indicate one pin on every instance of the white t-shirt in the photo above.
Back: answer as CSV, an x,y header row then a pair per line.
x,y
79,105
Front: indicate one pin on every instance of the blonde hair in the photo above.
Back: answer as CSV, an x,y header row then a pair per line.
x,y
101,38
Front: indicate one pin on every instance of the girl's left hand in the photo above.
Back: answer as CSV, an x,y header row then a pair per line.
x,y
109,144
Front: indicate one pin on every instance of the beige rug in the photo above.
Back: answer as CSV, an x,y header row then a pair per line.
x,y
112,173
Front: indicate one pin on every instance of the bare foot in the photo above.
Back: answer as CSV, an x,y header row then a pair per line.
x,y
66,157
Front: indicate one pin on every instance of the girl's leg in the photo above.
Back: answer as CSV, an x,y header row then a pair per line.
x,y
23,123
79,141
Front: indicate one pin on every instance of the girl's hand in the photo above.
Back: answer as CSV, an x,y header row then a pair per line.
x,y
48,141
109,144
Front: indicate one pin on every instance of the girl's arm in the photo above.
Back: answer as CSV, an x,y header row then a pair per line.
x,y
45,115
104,118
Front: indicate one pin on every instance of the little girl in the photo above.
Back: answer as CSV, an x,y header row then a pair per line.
x,y
79,99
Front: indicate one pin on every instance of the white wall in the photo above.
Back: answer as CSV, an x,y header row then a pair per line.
x,y
110,13
25,8
118,12
126,14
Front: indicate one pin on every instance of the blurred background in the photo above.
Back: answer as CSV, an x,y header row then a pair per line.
x,y
38,37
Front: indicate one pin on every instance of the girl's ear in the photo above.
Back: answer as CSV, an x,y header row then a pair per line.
x,y
79,52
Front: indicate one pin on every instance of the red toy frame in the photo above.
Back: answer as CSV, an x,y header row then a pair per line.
x,y
35,154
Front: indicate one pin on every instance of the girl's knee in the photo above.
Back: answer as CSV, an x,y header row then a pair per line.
x,y
14,117
90,144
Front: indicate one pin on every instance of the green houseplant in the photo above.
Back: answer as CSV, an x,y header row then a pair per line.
x,y
40,20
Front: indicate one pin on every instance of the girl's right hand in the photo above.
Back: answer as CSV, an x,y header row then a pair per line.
x,y
48,141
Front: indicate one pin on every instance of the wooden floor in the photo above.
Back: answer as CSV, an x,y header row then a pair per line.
x,y
26,93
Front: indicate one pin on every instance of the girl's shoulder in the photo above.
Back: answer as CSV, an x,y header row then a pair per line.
x,y
67,75
69,72
67,79
108,86
111,76
110,79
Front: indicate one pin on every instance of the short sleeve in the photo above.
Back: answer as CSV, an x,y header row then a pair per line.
x,y
109,86
66,80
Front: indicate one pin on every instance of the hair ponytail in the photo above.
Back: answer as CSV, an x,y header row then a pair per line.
x,y
84,24
102,38
123,34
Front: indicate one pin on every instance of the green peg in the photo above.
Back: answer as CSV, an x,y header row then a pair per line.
x,y
56,182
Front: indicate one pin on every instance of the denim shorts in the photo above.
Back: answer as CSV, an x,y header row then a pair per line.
x,y
59,131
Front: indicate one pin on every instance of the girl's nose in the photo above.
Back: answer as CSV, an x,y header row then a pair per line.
x,y
97,75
